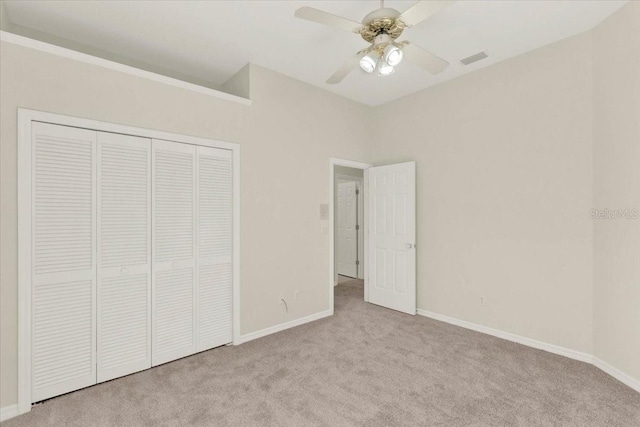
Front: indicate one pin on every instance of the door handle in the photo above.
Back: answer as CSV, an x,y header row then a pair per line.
x,y
409,246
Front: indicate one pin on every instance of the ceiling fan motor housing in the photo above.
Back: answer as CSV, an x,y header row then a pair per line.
x,y
381,21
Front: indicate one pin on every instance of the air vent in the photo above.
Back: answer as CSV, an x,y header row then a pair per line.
x,y
474,58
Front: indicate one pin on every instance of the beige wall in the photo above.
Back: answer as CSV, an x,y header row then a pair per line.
x,y
616,58
283,249
290,132
507,177
504,173
240,83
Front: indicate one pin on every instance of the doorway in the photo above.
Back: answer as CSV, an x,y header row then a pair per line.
x,y
349,220
389,239
348,217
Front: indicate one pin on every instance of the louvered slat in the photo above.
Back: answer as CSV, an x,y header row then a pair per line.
x,y
214,305
174,311
124,260
124,194
123,323
215,214
174,205
214,201
63,167
174,293
63,260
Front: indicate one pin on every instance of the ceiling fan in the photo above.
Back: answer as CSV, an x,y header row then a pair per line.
x,y
381,28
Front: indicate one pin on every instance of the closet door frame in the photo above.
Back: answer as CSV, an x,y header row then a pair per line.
x,y
25,119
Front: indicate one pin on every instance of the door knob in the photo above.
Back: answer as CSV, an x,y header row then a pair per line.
x,y
409,246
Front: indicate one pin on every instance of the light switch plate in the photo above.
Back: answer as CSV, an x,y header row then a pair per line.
x,y
324,211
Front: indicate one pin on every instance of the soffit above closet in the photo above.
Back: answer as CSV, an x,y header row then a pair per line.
x,y
211,40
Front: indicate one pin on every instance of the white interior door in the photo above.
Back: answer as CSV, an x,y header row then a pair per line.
x,y
63,267
124,255
215,246
174,251
347,232
361,229
392,236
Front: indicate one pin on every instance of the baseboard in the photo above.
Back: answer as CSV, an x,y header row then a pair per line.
x,y
7,412
617,374
282,326
529,342
11,411
551,348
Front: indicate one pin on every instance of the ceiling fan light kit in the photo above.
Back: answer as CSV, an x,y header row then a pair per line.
x,y
383,55
384,69
393,55
381,28
369,62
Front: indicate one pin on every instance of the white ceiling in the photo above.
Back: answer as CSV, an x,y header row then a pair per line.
x,y
212,40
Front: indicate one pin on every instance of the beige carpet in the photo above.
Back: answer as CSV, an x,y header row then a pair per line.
x,y
365,366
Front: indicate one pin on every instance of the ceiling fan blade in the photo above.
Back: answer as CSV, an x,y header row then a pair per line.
x,y
345,69
315,15
423,10
424,59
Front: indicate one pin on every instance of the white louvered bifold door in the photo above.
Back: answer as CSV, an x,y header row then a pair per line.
x,y
63,344
214,243
174,241
124,255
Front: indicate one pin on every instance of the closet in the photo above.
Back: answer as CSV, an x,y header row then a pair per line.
x,y
131,254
